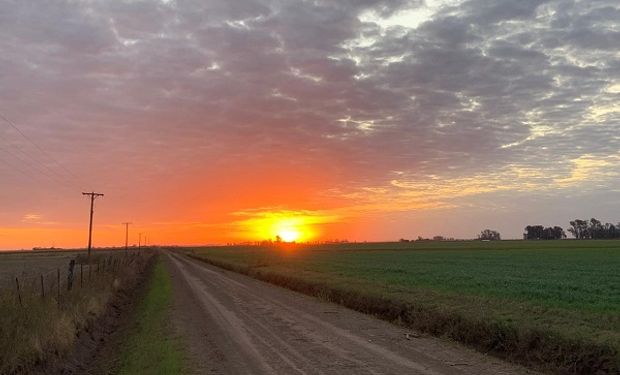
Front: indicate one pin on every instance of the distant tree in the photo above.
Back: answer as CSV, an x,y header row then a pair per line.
x,y
403,240
489,235
534,232
278,239
438,238
595,229
538,232
603,231
579,229
558,233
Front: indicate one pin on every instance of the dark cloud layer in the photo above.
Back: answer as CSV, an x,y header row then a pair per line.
x,y
387,94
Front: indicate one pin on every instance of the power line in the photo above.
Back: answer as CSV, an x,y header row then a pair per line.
x,y
19,170
45,153
26,160
14,126
34,175
37,169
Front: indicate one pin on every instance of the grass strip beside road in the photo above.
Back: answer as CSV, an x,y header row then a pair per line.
x,y
149,349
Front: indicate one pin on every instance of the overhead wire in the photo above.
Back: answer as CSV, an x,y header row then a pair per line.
x,y
27,163
61,178
39,168
22,170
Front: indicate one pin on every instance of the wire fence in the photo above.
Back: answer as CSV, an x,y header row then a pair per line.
x,y
78,273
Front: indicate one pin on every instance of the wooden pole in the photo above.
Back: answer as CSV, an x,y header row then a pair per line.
x,y
92,196
58,279
126,237
19,294
70,275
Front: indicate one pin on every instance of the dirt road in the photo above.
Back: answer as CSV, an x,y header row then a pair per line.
x,y
234,324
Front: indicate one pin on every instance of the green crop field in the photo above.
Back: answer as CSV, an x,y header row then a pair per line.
x,y
563,296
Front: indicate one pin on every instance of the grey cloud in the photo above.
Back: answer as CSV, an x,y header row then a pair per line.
x,y
51,25
493,11
281,77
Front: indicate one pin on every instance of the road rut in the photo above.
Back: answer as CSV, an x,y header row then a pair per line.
x,y
234,324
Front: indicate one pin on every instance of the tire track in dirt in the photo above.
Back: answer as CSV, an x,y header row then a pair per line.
x,y
237,325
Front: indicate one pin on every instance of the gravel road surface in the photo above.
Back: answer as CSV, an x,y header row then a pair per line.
x,y
233,324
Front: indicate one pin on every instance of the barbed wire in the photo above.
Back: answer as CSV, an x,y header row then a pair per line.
x,y
31,280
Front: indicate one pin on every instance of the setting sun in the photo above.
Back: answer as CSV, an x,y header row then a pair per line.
x,y
289,234
285,225
288,229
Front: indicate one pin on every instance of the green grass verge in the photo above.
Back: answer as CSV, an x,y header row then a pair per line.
x,y
149,348
550,304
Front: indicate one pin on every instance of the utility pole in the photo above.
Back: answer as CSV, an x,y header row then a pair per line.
x,y
93,196
139,240
126,237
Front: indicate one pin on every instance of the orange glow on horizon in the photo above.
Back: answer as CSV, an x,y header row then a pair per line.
x,y
287,229
288,226
291,226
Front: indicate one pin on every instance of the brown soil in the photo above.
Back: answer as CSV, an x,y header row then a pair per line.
x,y
238,325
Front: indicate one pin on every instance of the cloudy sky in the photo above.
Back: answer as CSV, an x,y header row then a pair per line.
x,y
359,119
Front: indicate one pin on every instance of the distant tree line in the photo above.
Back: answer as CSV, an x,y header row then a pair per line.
x,y
435,238
593,229
580,229
538,232
489,235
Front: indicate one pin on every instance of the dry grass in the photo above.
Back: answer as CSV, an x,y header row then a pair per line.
x,y
43,330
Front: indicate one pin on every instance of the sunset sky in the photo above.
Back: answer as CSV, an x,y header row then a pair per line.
x,y
212,121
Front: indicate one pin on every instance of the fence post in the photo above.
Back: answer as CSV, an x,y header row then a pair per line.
x,y
19,294
70,275
58,279
42,288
